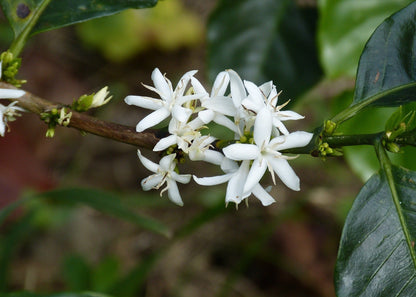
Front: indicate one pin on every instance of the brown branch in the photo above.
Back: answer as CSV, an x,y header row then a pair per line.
x,y
88,123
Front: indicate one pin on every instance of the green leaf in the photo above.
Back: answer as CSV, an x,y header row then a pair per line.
x,y
345,26
105,202
265,40
387,70
76,273
67,294
376,255
60,13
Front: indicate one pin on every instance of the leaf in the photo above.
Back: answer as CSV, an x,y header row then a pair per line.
x,y
105,202
264,40
345,26
66,294
376,255
387,70
60,13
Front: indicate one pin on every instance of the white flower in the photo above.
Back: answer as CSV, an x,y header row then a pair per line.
x,y
236,178
164,173
265,97
181,134
265,153
9,113
170,102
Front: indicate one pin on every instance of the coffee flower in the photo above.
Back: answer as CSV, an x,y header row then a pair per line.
x,y
264,153
164,173
8,113
170,102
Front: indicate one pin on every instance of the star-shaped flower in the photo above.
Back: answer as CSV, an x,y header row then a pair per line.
x,y
170,102
265,153
265,97
164,173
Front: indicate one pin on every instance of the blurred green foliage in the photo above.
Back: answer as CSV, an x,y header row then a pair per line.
x,y
168,26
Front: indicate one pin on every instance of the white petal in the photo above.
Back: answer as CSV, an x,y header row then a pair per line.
x,y
2,124
195,123
9,93
226,122
165,142
255,94
266,88
144,102
173,192
238,92
278,124
151,182
251,105
213,157
181,178
180,113
198,88
222,105
161,84
240,151
265,198
285,172
213,180
235,185
262,127
289,115
150,165
257,170
180,88
167,162
152,119
220,84
292,140
206,115
228,165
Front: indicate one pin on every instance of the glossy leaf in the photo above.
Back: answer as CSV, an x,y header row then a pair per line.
x,y
345,26
105,202
387,70
68,294
265,40
61,13
377,255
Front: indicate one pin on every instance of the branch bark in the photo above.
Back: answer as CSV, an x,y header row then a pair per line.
x,y
86,123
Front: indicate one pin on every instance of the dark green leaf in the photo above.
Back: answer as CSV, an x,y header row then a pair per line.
x,y
66,12
387,70
344,28
265,40
9,244
28,294
105,202
376,258
76,273
61,13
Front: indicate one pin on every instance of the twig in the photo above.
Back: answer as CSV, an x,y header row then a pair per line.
x,y
88,123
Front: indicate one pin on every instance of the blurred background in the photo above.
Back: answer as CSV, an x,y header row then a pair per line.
x,y
50,245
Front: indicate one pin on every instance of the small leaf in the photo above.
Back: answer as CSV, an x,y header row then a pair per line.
x,y
377,255
345,26
387,70
265,40
105,202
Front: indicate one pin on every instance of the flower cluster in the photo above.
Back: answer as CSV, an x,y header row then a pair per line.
x,y
249,111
